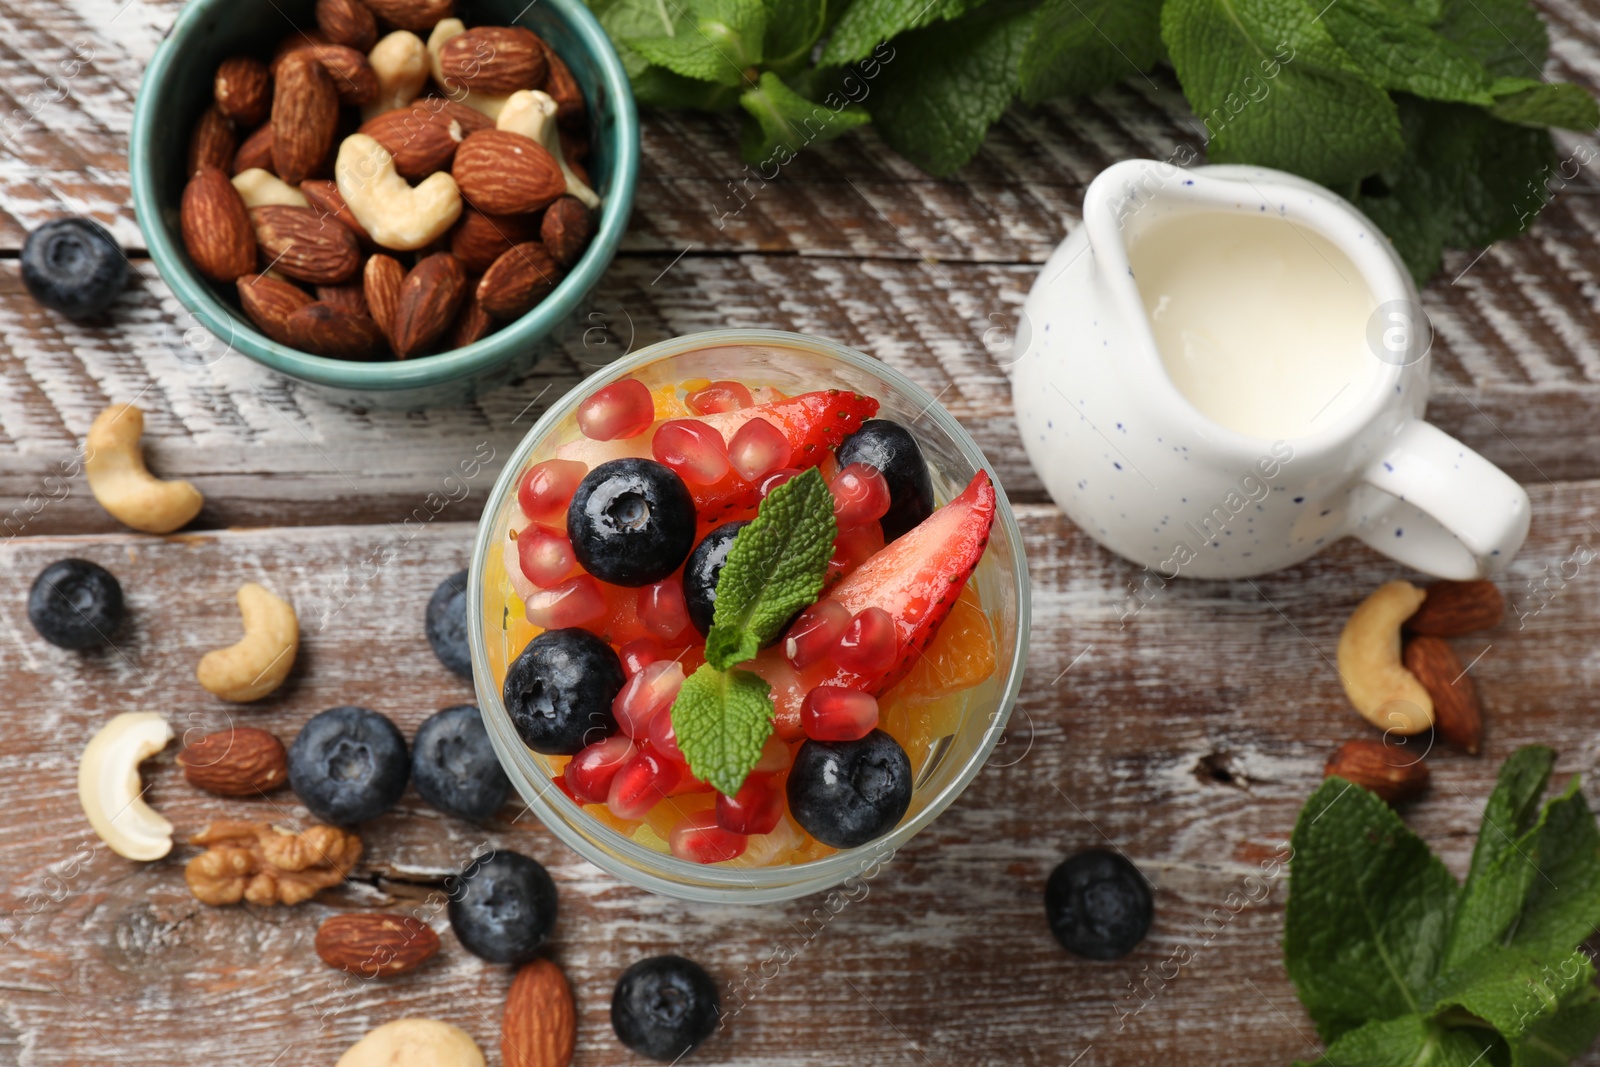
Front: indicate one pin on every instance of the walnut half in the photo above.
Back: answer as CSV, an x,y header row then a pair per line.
x,y
261,864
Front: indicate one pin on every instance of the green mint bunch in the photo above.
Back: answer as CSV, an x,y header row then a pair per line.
x,y
1398,964
1433,116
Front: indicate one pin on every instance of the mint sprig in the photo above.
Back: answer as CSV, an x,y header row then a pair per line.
x,y
722,718
775,567
1397,963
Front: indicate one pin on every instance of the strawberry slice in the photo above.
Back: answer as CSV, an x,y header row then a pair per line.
x,y
916,579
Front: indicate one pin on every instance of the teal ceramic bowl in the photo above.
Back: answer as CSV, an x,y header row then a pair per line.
x,y
177,88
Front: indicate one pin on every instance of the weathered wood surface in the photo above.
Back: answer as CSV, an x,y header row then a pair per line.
x,y
1186,734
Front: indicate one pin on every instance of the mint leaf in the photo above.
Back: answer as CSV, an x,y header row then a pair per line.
x,y
1275,89
1079,47
1409,1041
721,720
1531,103
775,567
722,40
659,87
1369,908
1493,895
786,122
1557,1040
1399,50
1512,989
1507,36
866,23
1466,180
946,84
793,27
1563,904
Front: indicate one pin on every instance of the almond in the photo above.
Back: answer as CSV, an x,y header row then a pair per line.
x,y
375,945
329,330
213,141
1455,608
238,762
423,136
418,16
243,90
348,296
216,226
540,1028
304,246
298,41
381,280
565,230
1457,714
493,59
477,240
269,303
327,201
563,89
348,22
255,151
505,173
305,114
518,280
1390,772
353,77
429,298
472,322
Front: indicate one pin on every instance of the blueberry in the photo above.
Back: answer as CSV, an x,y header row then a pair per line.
x,y
559,691
664,1007
348,765
446,624
890,447
454,765
504,908
75,604
73,266
631,522
700,574
1098,905
846,793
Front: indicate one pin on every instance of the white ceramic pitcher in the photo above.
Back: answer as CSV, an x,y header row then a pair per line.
x,y
1127,456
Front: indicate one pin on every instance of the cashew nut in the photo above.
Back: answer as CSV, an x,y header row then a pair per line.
x,y
110,790
415,1043
1376,681
260,661
401,62
488,103
395,214
114,463
532,113
260,188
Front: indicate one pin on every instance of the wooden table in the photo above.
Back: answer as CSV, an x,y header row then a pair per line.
x,y
1186,735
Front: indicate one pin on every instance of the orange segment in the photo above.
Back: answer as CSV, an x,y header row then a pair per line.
x,y
669,402
961,655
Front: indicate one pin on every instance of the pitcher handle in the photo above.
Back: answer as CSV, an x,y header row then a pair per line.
x,y
1453,514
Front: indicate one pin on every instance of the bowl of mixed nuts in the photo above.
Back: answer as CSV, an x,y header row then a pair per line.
x,y
396,201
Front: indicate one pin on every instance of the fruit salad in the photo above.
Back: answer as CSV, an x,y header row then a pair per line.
x,y
735,625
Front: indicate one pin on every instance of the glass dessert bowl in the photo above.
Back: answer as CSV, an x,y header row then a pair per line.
x,y
743,483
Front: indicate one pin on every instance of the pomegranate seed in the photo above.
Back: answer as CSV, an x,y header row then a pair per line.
x,y
699,839
547,488
719,396
775,479
561,783
758,448
693,449
663,609
639,653
646,693
590,772
834,713
574,602
621,409
860,495
546,557
775,757
815,632
755,809
664,738
642,783
869,643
